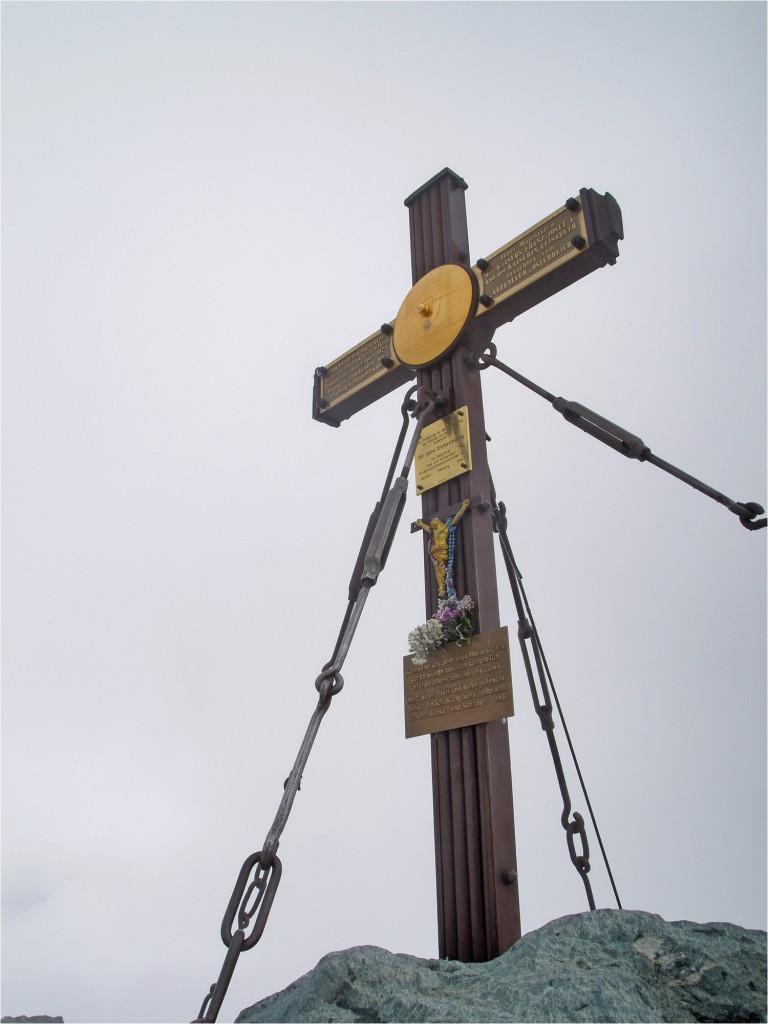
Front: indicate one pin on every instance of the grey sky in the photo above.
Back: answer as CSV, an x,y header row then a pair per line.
x,y
201,203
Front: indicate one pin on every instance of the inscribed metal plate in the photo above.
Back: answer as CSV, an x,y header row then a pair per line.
x,y
360,376
534,254
433,315
463,685
443,450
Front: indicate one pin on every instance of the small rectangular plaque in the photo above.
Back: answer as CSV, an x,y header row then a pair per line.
x,y
464,685
443,450
356,379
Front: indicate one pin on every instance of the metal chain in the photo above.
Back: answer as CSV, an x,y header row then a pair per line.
x,y
528,636
254,892
622,441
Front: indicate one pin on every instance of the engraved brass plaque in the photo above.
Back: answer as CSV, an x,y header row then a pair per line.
x,y
433,315
443,450
358,377
464,685
549,244
355,368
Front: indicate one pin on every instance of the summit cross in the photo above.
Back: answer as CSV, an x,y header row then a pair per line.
x,y
445,323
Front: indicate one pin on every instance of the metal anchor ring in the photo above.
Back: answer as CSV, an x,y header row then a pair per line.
x,y
485,358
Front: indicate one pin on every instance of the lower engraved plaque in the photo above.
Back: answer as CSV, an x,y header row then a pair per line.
x,y
465,684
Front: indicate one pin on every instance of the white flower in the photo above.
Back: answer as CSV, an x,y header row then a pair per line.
x,y
424,639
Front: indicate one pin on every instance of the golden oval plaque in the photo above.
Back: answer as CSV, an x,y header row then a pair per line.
x,y
433,315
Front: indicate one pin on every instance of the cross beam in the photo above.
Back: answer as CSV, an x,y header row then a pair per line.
x,y
475,854
579,237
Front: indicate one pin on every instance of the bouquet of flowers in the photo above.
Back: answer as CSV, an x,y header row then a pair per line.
x,y
451,622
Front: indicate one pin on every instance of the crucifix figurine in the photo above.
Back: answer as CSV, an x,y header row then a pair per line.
x,y
441,539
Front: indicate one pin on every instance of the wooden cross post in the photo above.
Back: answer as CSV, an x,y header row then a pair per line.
x,y
475,856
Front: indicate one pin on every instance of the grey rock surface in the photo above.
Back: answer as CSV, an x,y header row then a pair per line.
x,y
39,1019
609,965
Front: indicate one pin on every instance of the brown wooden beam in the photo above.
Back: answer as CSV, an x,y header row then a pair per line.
x,y
475,856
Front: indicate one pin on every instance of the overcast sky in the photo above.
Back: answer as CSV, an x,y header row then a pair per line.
x,y
202,203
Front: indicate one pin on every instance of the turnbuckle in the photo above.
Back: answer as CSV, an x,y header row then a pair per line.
x,y
621,440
